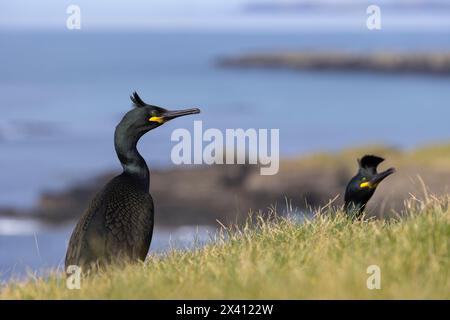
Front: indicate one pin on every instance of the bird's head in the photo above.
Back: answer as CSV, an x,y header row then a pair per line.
x,y
368,178
145,117
362,186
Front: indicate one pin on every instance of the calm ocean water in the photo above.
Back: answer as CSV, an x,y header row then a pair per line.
x,y
61,95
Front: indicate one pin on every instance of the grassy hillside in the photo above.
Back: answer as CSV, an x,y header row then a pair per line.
x,y
325,257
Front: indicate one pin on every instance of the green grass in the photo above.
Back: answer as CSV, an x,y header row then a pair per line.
x,y
277,258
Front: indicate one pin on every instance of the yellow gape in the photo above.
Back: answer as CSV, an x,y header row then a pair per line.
x,y
369,185
365,185
156,119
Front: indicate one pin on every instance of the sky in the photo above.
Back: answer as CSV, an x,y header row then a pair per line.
x,y
210,15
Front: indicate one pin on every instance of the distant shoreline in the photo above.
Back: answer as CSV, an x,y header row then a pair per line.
x,y
396,62
201,195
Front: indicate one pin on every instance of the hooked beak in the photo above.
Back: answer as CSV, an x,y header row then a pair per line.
x,y
169,115
381,176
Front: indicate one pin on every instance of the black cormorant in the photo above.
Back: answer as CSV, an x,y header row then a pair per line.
x,y
118,223
362,186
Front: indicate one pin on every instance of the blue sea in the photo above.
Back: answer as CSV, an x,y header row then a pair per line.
x,y
61,95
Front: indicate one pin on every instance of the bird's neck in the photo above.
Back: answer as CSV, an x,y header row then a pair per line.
x,y
132,162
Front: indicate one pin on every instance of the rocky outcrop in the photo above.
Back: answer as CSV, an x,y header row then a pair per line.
x,y
204,194
433,63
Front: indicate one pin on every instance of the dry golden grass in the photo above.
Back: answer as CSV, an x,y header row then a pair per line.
x,y
277,258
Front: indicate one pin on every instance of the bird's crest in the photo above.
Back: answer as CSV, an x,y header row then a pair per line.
x,y
370,161
137,101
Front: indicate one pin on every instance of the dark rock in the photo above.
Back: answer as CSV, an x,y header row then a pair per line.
x,y
426,62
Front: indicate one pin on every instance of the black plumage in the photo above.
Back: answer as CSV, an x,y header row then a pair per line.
x,y
362,186
118,223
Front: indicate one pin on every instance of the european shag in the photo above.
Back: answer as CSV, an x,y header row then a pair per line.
x,y
362,186
118,223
